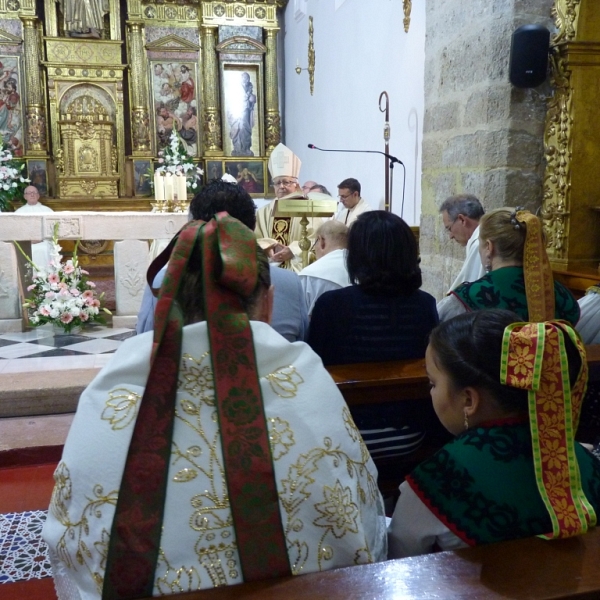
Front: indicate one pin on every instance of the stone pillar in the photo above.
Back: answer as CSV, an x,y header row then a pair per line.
x,y
131,263
213,144
10,301
35,113
480,135
140,118
272,117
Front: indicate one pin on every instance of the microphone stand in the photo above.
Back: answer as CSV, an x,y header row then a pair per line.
x,y
392,160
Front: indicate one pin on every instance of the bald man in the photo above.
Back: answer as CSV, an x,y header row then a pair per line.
x,y
329,271
40,251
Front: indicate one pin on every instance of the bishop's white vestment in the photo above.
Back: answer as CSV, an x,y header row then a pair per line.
x,y
285,231
330,507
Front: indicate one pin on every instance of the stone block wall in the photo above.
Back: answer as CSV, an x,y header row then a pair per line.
x,y
481,135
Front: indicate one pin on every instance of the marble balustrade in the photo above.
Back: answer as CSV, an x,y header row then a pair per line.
x,y
129,230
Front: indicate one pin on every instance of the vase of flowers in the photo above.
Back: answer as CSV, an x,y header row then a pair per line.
x,y
12,182
61,293
175,159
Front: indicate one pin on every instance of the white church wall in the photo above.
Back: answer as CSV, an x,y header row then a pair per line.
x,y
361,49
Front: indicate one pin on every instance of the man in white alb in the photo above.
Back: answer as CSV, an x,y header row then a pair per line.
x,y
282,234
40,251
461,215
353,204
329,272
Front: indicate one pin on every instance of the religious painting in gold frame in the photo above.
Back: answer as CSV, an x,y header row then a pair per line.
x,y
37,174
11,104
250,174
242,108
175,96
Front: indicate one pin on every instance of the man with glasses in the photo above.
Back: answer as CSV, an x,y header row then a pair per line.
x,y
353,204
280,235
460,215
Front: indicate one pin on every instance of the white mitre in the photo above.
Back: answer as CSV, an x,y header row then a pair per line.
x,y
284,163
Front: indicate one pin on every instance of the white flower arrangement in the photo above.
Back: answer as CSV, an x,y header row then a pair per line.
x,y
61,294
175,159
12,182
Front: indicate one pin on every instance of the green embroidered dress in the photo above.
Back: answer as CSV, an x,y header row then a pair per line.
x,y
505,288
482,484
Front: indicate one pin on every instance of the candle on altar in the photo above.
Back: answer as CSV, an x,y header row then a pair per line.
x,y
181,187
159,186
169,191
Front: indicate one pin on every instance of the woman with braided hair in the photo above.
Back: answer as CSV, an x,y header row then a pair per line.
x,y
518,274
511,394
200,455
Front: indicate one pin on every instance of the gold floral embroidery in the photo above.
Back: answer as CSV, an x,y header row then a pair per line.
x,y
554,454
284,381
550,398
175,581
281,437
121,408
196,379
567,513
78,529
185,475
338,511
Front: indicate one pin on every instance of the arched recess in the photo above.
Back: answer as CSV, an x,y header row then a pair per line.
x,y
571,202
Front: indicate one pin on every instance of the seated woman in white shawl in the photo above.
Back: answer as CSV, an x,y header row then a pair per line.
x,y
214,453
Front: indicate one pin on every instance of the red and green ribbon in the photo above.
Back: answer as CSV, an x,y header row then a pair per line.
x,y
229,274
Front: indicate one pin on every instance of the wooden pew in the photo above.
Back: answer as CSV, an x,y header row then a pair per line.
x,y
521,569
371,383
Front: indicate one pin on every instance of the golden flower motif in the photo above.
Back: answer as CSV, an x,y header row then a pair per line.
x,y
549,398
194,378
285,381
281,437
521,359
338,512
121,408
553,453
567,513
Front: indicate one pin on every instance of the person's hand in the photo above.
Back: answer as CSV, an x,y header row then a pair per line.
x,y
281,254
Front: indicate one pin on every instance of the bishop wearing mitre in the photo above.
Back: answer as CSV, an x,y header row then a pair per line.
x,y
280,235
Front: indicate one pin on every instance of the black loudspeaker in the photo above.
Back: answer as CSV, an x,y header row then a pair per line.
x,y
529,56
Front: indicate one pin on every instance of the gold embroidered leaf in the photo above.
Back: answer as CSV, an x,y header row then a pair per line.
x,y
285,381
121,408
185,475
189,407
194,451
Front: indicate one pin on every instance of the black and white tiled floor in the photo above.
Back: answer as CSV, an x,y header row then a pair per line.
x,y
41,350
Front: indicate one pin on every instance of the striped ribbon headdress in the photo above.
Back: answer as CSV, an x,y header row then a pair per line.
x,y
229,274
534,359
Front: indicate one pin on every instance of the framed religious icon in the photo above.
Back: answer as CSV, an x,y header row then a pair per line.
x,y
174,91
250,174
37,174
142,176
11,104
214,169
242,107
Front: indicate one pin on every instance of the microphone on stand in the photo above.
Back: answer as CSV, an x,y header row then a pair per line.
x,y
392,158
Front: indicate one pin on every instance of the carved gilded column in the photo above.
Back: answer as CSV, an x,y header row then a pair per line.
x,y
35,112
140,118
213,144
273,120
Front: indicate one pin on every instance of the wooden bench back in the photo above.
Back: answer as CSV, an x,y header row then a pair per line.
x,y
520,569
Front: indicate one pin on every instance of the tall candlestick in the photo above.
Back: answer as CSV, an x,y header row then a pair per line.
x,y
159,186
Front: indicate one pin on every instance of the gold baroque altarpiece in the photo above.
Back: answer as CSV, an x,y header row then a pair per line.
x,y
89,101
571,198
